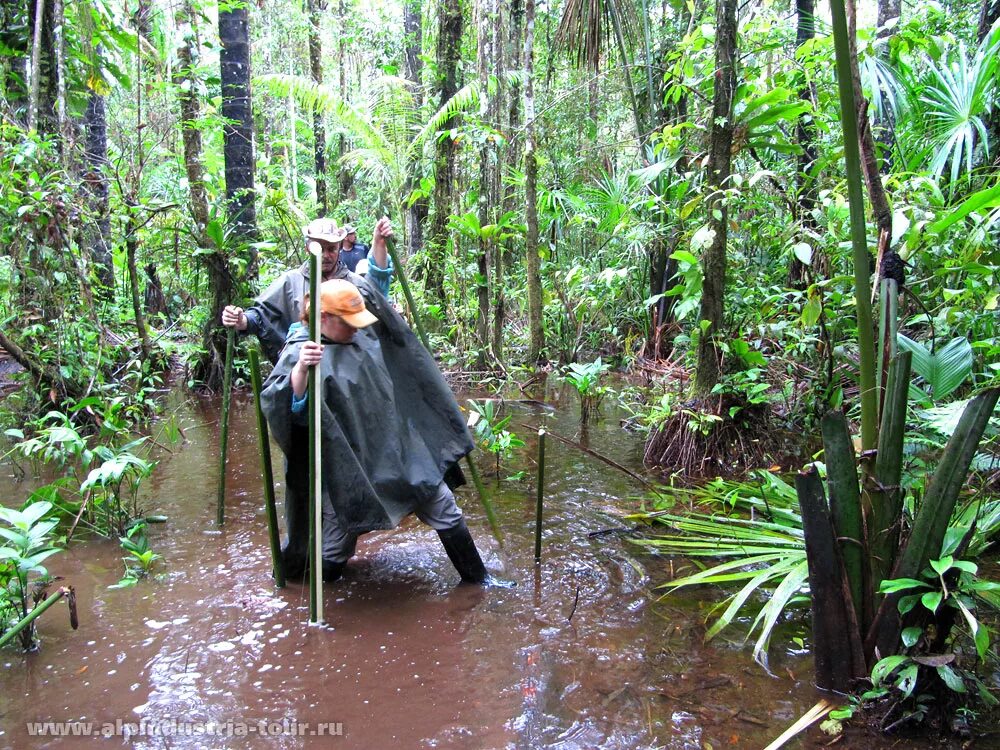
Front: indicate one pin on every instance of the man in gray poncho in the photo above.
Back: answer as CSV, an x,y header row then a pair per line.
x,y
280,305
392,434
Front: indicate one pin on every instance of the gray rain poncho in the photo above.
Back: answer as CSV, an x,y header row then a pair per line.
x,y
391,428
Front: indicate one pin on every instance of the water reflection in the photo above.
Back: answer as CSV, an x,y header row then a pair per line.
x,y
578,655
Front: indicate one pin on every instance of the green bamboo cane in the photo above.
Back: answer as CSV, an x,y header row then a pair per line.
x,y
862,281
267,474
227,392
32,616
491,516
390,245
540,490
315,455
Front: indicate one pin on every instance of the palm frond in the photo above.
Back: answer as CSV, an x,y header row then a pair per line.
x,y
317,97
465,98
586,26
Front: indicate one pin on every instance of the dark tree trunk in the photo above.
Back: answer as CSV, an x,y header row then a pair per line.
x,y
154,301
234,34
713,260
131,253
15,35
46,78
412,28
806,136
989,12
450,22
98,235
345,178
319,131
866,140
887,11
536,332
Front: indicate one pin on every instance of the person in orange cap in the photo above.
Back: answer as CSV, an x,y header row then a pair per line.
x,y
392,435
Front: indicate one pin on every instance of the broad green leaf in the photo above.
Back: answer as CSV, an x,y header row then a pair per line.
x,y
943,565
901,584
943,370
951,678
911,636
932,600
887,666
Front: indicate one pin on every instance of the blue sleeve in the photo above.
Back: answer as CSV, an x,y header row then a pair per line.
x,y
380,277
299,404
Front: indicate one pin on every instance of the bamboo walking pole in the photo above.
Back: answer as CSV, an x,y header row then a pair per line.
x,y
315,452
227,392
491,516
539,494
267,475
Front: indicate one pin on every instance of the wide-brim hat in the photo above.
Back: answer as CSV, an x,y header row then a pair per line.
x,y
350,229
341,297
324,230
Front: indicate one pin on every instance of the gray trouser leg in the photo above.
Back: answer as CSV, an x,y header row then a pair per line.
x,y
338,545
441,512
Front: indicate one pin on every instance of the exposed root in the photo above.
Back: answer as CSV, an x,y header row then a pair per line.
x,y
702,440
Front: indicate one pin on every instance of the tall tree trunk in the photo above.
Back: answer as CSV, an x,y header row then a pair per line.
x,y
44,75
532,262
713,260
485,262
234,34
866,141
450,22
989,13
413,66
345,178
131,253
16,38
806,136
319,131
98,236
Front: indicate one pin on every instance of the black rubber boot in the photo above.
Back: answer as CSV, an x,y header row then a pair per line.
x,y
332,570
463,554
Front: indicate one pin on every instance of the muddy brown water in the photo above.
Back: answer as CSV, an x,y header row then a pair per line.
x,y
208,654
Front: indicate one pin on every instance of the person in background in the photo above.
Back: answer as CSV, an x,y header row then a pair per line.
x,y
280,305
351,251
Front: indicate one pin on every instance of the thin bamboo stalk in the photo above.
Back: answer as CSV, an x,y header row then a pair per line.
x,y
491,514
390,245
855,194
315,453
267,474
32,616
227,392
540,491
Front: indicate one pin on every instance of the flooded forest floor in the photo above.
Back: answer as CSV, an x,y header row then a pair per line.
x,y
582,653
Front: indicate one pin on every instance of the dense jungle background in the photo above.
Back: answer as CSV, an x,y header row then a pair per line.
x,y
759,215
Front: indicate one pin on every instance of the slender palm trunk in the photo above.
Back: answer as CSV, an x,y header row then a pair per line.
x,y
450,24
713,260
98,235
417,212
319,130
234,34
536,333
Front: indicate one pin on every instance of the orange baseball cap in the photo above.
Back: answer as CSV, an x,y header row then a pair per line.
x,y
340,297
